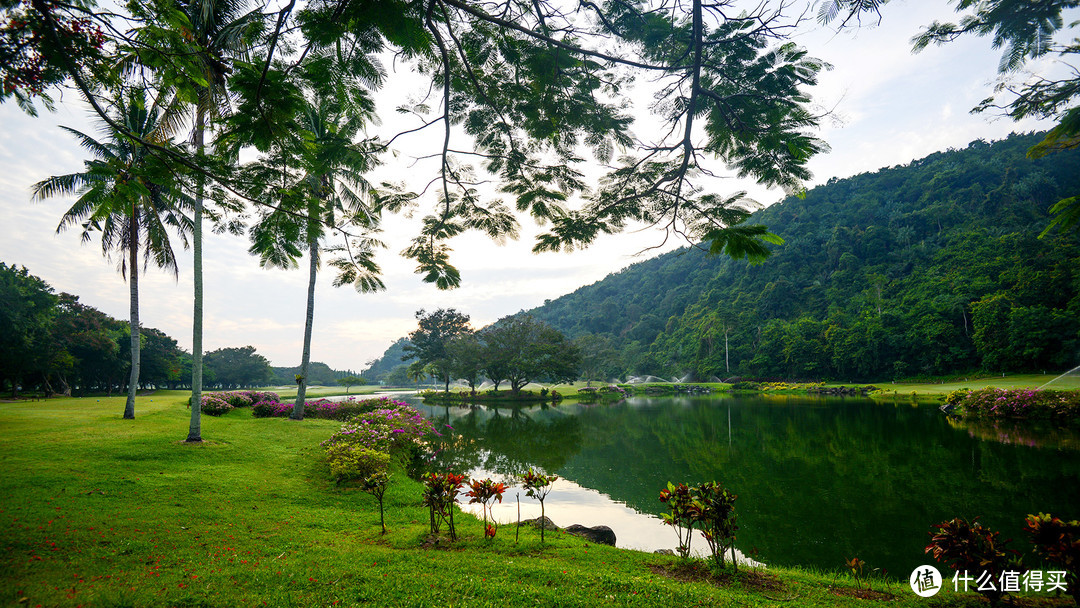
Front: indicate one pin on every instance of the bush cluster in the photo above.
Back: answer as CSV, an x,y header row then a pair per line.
x,y
363,446
322,408
1016,403
216,404
972,547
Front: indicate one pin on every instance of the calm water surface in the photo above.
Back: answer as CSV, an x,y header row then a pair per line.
x,y
819,480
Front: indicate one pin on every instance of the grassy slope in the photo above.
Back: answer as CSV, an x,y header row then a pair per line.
x,y
1071,382
100,511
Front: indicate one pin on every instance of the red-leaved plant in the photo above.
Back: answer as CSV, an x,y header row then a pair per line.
x,y
486,492
974,549
1058,542
440,495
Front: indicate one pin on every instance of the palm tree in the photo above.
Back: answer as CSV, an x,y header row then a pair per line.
x,y
216,32
129,196
327,190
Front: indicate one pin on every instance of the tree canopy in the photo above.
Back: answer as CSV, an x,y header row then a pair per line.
x,y
533,94
430,342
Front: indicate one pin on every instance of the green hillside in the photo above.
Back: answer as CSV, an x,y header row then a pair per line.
x,y
931,268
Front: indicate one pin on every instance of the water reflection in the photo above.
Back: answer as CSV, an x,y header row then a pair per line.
x,y
819,480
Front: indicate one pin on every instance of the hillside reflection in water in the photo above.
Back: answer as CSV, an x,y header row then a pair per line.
x,y
819,480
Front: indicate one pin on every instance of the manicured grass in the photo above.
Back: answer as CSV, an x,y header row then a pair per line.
x,y
1018,381
100,511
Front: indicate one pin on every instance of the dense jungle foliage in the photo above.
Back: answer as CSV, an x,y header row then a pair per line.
x,y
931,268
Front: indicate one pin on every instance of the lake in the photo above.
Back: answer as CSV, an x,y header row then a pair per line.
x,y
819,480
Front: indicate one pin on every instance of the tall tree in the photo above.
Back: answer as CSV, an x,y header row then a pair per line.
x,y
430,342
130,197
320,186
193,45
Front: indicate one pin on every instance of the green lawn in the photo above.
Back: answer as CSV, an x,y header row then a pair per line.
x,y
1069,382
104,512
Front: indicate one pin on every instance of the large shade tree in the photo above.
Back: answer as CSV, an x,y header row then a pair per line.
x,y
128,196
430,342
523,349
529,91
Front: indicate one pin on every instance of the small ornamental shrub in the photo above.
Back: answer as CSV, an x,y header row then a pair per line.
x,y
538,486
684,513
716,516
440,496
214,405
350,462
974,549
1058,543
376,484
486,492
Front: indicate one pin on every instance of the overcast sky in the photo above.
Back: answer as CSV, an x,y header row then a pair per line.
x,y
889,107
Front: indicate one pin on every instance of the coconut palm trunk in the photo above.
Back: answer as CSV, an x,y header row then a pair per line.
x,y
195,427
133,285
305,360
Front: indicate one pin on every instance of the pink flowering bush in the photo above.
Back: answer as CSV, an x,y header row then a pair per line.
x,y
322,408
363,446
237,398
1016,403
214,405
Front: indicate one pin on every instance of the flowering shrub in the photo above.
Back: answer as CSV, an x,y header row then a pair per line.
x,y
322,408
237,398
1016,403
352,450
214,405
361,450
271,409
1058,543
974,548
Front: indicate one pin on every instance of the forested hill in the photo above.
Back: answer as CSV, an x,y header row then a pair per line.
x,y
930,268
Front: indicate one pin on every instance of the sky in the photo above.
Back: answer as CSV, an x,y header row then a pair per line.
x,y
887,107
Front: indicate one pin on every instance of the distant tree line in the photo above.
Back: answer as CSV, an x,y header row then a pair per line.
x,y
53,344
515,350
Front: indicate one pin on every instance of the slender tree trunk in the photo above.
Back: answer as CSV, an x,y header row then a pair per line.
x,y
133,285
195,428
301,389
727,360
